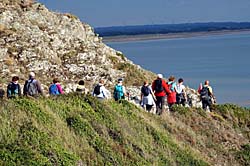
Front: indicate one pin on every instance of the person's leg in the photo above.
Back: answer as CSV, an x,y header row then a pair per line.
x,y
163,104
209,103
204,104
149,107
157,103
170,105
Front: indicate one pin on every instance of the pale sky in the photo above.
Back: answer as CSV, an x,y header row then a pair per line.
x,y
101,13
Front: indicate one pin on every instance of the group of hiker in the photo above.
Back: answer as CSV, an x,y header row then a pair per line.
x,y
31,88
157,94
175,93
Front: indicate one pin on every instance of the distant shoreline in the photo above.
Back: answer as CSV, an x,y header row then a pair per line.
x,y
128,38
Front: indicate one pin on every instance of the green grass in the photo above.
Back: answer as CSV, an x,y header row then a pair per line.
x,y
73,129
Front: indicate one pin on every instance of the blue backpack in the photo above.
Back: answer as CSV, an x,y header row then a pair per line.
x,y
12,90
118,92
53,90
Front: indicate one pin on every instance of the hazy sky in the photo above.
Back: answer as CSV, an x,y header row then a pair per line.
x,y
99,13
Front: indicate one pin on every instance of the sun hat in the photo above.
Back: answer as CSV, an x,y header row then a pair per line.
x,y
159,75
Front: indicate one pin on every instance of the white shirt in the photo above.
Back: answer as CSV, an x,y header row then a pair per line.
x,y
180,88
149,100
103,92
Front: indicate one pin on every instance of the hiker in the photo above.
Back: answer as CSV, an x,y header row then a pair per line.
x,y
2,92
100,91
171,96
160,88
81,88
55,88
119,91
13,88
147,97
32,87
206,96
181,96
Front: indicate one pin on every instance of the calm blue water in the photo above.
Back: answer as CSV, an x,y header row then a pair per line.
x,y
223,59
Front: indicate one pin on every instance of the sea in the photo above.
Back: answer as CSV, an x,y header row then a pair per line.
x,y
223,59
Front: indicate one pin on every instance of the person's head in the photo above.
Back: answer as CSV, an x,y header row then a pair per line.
x,y
119,80
159,76
55,80
101,81
171,78
81,82
180,80
145,83
206,82
15,79
32,75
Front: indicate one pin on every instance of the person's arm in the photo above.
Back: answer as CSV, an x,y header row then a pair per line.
x,y
24,88
166,87
19,90
152,93
104,92
153,86
211,93
184,92
141,94
124,91
39,87
9,91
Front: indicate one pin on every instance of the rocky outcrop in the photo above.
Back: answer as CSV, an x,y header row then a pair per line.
x,y
52,45
32,38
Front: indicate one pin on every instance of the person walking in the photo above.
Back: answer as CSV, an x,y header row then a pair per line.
x,y
13,88
55,88
181,96
119,91
100,91
32,87
147,97
160,89
81,89
171,96
206,96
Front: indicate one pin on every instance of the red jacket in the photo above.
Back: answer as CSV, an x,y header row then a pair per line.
x,y
171,96
165,89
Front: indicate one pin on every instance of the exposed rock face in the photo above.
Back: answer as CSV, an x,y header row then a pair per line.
x,y
51,44
32,38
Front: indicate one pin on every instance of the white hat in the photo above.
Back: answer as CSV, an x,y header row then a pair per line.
x,y
32,74
159,76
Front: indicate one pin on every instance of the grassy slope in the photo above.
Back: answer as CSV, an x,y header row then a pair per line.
x,y
71,130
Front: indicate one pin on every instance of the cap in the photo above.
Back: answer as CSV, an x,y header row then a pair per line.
x,y
159,76
120,80
32,74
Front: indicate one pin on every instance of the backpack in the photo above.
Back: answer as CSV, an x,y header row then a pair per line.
x,y
171,87
158,85
145,90
31,88
118,92
12,90
204,93
97,90
53,90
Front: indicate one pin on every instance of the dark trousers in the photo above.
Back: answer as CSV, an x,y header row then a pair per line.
x,y
205,103
160,103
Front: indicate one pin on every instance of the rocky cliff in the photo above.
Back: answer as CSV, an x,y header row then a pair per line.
x,y
32,38
52,45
